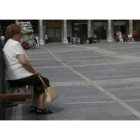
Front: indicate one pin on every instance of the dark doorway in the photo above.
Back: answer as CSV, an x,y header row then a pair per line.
x,y
54,34
121,28
53,30
100,27
4,24
79,28
120,25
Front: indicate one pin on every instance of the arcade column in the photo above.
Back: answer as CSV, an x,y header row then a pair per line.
x,y
110,38
41,32
65,40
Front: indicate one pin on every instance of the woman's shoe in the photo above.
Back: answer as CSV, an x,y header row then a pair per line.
x,y
44,111
33,109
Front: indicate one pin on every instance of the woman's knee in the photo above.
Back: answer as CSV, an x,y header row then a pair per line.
x,y
46,81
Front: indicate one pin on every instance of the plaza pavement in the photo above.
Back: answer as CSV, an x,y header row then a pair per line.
x,y
94,81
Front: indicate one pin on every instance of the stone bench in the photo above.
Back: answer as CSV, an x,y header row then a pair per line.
x,y
17,93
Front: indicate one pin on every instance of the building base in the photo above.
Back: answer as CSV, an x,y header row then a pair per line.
x,y
41,42
65,41
109,40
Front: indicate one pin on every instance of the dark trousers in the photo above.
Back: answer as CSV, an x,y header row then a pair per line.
x,y
31,80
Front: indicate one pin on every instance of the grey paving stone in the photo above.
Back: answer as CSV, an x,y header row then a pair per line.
x,y
126,50
95,60
126,93
110,71
73,54
80,94
107,112
40,56
135,105
60,75
38,63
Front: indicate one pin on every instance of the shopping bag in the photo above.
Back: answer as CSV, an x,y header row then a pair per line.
x,y
50,92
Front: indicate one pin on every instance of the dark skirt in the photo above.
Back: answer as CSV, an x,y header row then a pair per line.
x,y
31,80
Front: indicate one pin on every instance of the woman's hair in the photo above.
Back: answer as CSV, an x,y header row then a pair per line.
x,y
12,30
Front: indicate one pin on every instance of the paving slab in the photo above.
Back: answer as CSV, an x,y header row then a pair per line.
x,y
60,74
40,56
39,63
110,71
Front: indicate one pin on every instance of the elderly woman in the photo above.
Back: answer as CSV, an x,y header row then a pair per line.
x,y
19,71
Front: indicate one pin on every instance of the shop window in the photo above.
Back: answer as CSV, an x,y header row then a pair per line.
x,y
79,28
57,32
100,29
50,33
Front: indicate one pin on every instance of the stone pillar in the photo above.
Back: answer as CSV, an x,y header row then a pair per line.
x,y
41,32
109,38
65,40
89,28
130,27
113,30
16,21
92,28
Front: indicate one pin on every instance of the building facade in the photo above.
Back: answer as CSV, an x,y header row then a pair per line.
x,y
64,30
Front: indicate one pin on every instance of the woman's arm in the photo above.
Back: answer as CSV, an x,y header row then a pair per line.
x,y
25,63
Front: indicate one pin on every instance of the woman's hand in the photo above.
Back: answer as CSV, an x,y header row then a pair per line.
x,y
37,72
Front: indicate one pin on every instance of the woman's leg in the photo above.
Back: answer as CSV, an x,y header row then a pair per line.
x,y
41,101
41,96
35,100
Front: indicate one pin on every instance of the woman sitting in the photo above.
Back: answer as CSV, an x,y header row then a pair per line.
x,y
19,72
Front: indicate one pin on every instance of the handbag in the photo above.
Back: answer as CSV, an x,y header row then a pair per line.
x,y
50,92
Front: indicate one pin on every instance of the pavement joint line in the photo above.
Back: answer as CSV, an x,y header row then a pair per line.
x,y
102,82
35,52
87,57
98,102
57,51
122,48
119,81
88,65
95,84
69,51
71,58
101,102
78,83
39,59
49,67
134,53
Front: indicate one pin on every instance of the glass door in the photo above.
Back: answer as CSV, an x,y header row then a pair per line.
x,y
54,34
100,29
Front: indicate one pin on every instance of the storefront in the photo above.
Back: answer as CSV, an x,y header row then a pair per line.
x,y
100,28
136,26
121,25
53,30
79,28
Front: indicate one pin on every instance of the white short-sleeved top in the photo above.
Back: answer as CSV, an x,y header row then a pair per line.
x,y
14,69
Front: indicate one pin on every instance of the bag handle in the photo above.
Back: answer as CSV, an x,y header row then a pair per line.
x,y
43,83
